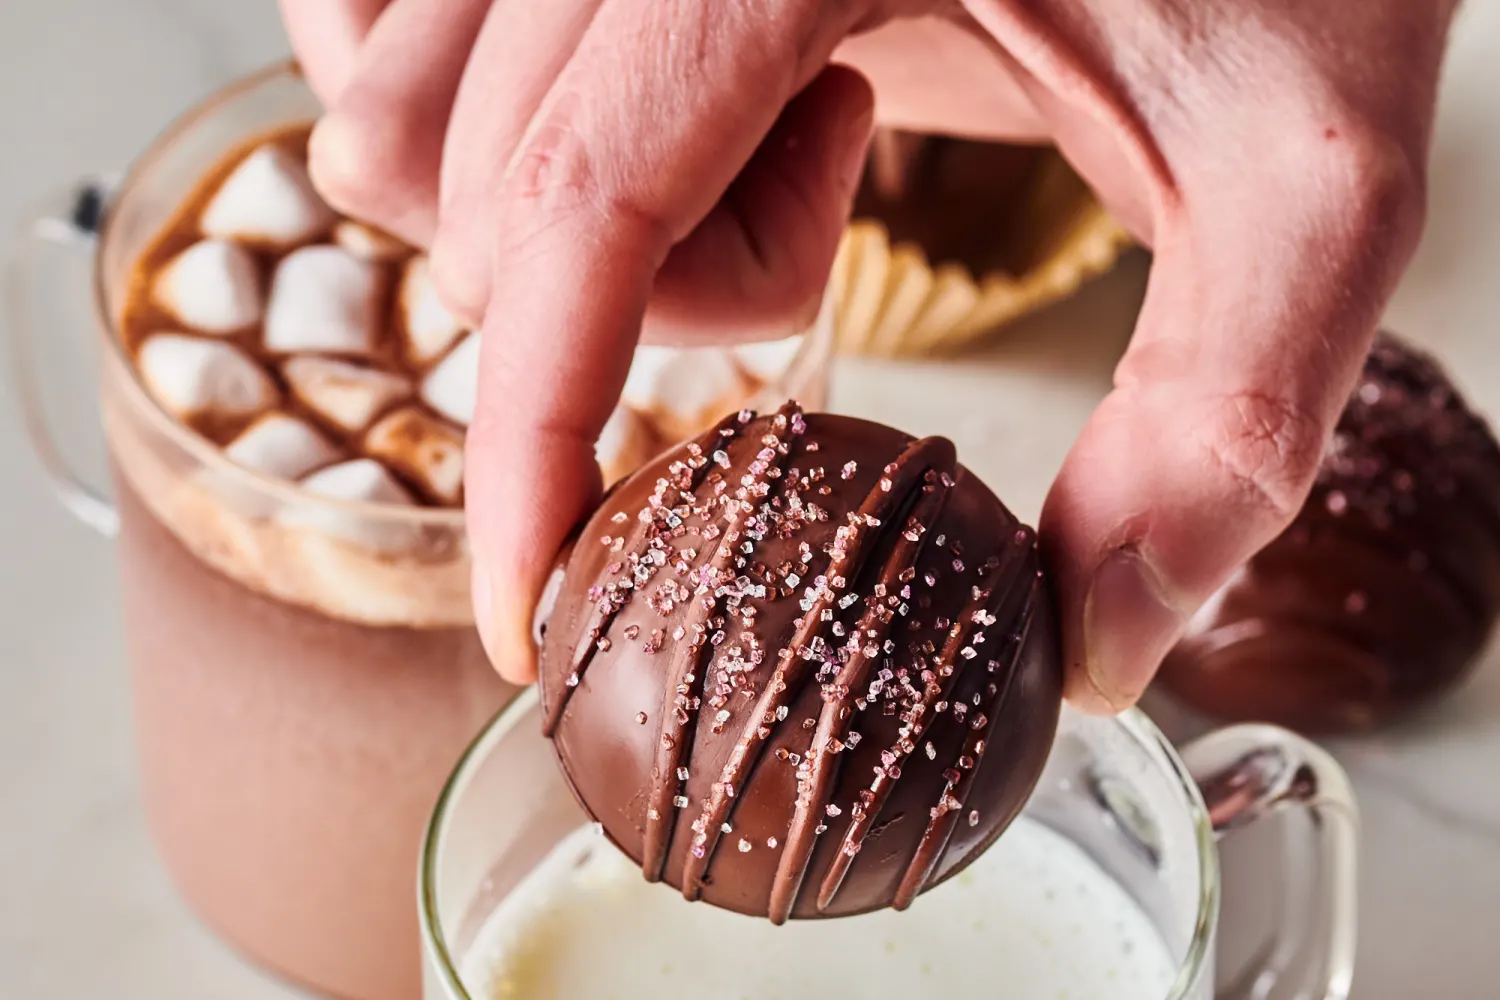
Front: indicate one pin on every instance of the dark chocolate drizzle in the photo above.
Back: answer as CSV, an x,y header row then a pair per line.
x,y
688,668
815,790
860,538
1004,584
960,780
602,617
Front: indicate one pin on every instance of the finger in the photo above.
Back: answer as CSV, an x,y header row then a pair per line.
x,y
1245,351
941,75
326,39
520,51
642,134
1281,215
376,155
758,264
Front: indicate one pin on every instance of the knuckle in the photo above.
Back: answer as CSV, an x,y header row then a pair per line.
x,y
1376,185
559,181
1268,448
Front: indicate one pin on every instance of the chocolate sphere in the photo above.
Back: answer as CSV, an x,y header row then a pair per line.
x,y
805,666
1386,586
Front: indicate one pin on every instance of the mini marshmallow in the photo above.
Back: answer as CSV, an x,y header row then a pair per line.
x,y
423,448
430,327
360,479
625,444
212,286
348,395
768,361
268,199
684,389
192,376
322,299
367,242
281,445
451,386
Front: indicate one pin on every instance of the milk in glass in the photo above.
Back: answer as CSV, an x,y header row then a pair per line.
x,y
1033,919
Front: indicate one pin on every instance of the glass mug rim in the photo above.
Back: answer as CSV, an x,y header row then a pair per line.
x,y
201,450
1137,726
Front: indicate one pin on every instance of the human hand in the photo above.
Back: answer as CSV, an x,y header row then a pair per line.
x,y
581,165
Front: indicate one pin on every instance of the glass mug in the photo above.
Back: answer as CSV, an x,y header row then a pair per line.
x,y
305,671
1148,816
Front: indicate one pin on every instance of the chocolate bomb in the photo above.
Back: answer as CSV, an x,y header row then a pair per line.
x,y
1384,589
804,666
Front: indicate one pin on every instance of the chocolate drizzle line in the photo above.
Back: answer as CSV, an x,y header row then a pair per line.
x,y
689,667
601,618
960,781
815,790
792,673
1002,584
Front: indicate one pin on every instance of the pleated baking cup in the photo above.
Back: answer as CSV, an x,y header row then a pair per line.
x,y
892,301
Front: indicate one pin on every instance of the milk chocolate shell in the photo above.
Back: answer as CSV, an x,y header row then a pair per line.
x,y
805,666
1383,591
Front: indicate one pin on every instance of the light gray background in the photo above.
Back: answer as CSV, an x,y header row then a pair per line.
x,y
84,909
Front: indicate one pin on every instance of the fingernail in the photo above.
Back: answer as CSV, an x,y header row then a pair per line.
x,y
503,631
1129,624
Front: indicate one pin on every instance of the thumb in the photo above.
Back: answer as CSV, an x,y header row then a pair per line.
x,y
1245,352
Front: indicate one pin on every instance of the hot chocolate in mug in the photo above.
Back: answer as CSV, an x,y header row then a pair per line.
x,y
304,669
1106,888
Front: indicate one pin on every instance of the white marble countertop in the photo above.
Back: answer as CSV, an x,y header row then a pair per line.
x,y
84,909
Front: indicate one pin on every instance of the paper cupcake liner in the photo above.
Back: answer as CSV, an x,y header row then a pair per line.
x,y
892,301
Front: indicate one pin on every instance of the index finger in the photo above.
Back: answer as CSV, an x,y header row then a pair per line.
x,y
642,133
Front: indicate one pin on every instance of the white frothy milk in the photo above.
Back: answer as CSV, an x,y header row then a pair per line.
x,y
1033,919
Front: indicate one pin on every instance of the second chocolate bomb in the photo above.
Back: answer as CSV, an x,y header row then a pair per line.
x,y
805,666
1381,594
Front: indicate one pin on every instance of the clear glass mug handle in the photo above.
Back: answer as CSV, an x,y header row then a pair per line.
x,y
1249,772
68,221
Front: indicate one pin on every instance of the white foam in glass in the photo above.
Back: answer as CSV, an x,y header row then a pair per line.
x,y
1034,918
